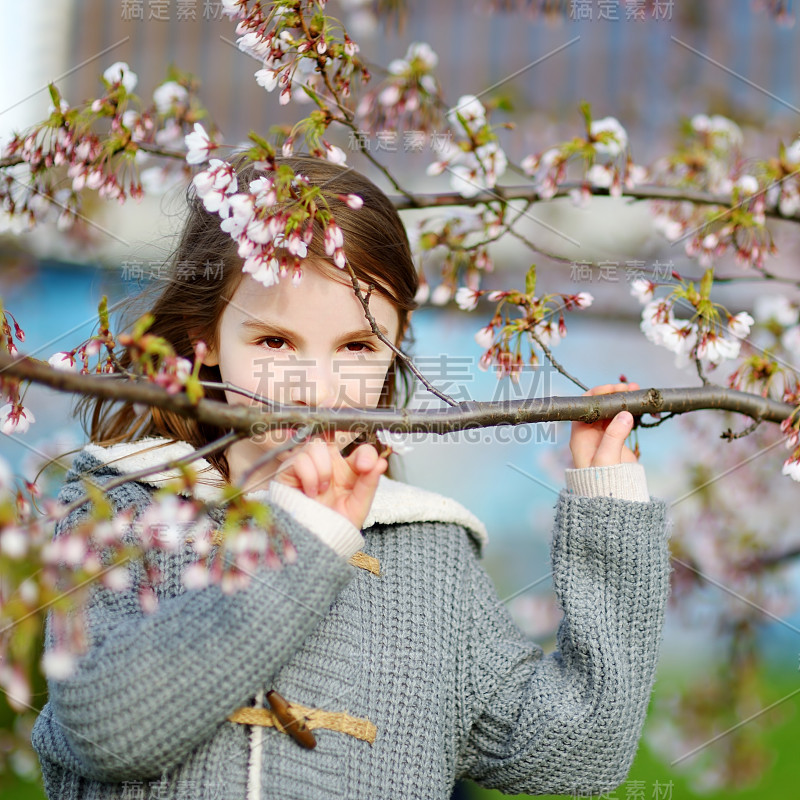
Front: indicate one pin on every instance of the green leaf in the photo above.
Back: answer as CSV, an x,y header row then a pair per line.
x,y
55,96
102,311
142,324
586,111
194,390
530,281
261,142
706,283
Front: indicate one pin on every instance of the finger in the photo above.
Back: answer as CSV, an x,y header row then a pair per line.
x,y
307,471
319,451
362,459
609,451
367,481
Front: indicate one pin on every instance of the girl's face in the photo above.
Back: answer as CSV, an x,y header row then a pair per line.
x,y
307,345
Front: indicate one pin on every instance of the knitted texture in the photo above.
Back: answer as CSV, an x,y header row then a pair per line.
x,y
425,651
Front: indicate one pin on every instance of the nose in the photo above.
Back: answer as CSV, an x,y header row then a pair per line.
x,y
313,387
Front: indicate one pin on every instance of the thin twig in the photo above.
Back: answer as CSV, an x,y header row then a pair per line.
x,y
555,363
399,353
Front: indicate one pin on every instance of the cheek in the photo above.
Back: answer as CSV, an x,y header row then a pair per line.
x,y
242,366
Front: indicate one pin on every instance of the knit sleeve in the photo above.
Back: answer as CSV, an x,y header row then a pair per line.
x,y
153,686
569,722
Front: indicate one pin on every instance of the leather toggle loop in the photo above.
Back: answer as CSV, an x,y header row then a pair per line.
x,y
287,722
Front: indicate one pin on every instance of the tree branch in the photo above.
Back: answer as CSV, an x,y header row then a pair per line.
x,y
466,415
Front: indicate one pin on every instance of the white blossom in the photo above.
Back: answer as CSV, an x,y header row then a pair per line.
x,y
790,339
58,664
600,176
171,133
642,289
485,337
11,422
169,94
215,184
335,154
198,145
747,184
547,331
792,155
466,298
775,307
441,294
716,348
792,469
13,542
64,361
616,144
423,52
470,109
668,227
718,125
120,72
268,78
739,325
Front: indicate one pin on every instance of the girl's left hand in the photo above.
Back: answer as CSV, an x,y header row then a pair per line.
x,y
602,444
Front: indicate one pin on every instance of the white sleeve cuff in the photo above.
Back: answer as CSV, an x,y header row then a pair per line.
x,y
328,525
623,481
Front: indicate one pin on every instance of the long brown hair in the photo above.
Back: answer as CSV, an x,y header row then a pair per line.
x,y
204,271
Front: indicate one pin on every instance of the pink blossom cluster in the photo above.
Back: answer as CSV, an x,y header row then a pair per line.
x,y
603,154
410,96
270,240
67,360
475,161
710,160
292,51
67,139
451,232
537,319
690,339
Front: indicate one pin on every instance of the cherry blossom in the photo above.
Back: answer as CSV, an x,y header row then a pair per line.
x,y
485,337
791,467
64,361
198,145
120,73
739,325
467,299
58,664
215,184
718,127
470,109
642,289
15,419
169,95
716,348
615,144
334,154
776,307
268,78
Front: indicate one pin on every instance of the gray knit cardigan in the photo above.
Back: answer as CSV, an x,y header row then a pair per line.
x,y
424,650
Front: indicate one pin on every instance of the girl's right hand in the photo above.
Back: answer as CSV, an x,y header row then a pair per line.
x,y
346,485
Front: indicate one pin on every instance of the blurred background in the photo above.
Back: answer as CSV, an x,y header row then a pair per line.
x,y
648,64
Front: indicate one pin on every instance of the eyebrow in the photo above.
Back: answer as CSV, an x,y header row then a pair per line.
x,y
266,325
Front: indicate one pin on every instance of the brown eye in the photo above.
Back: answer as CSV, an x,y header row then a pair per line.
x,y
363,347
270,342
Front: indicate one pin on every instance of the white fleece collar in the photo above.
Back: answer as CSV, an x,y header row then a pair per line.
x,y
394,501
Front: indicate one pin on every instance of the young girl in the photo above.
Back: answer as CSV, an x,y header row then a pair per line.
x,y
379,663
